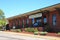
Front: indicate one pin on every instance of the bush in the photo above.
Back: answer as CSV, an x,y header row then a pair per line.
x,y
58,33
16,30
26,29
0,28
43,33
31,30
36,33
13,30
35,30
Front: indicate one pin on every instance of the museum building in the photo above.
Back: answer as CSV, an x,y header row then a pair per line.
x,y
40,18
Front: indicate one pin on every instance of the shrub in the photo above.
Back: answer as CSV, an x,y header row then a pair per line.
x,y
18,30
43,33
29,29
13,30
58,33
35,30
0,28
36,33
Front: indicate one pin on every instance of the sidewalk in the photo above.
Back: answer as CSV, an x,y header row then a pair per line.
x,y
31,35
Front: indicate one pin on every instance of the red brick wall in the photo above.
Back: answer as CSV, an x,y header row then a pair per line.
x,y
55,28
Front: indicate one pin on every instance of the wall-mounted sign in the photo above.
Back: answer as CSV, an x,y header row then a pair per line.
x,y
36,15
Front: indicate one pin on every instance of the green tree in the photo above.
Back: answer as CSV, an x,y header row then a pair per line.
x,y
2,18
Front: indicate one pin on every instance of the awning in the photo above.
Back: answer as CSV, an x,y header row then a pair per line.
x,y
36,15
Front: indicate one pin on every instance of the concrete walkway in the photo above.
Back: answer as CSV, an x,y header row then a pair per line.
x,y
22,36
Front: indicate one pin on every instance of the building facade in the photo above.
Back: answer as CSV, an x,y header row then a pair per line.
x,y
48,16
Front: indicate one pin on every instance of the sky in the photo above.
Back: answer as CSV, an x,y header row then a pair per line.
x,y
16,7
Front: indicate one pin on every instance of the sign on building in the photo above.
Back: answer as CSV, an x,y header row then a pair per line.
x,y
36,15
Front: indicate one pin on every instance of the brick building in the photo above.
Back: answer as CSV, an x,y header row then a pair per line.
x,y
49,16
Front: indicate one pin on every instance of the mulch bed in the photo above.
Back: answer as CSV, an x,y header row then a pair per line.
x,y
52,34
48,34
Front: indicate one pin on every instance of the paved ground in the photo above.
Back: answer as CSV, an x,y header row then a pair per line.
x,y
20,36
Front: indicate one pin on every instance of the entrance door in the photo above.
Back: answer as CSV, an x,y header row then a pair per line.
x,y
38,22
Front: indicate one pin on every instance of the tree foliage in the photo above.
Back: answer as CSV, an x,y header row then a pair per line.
x,y
2,18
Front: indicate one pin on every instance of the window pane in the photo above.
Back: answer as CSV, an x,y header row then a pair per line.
x,y
54,19
32,20
45,20
27,21
23,23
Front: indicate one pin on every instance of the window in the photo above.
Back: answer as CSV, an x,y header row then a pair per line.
x,y
27,21
45,20
14,23
19,22
23,23
32,20
37,22
54,19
